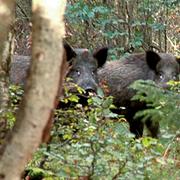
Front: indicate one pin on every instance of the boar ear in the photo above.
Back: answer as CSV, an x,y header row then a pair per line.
x,y
70,53
152,59
101,56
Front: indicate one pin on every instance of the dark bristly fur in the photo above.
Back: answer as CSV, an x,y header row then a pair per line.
x,y
118,75
82,68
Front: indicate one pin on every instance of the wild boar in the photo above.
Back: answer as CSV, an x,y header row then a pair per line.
x,y
120,74
82,68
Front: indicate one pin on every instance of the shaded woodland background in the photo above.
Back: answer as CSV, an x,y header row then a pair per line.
x,y
126,26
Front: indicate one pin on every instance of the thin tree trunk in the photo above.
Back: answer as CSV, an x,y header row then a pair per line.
x,y
41,88
6,16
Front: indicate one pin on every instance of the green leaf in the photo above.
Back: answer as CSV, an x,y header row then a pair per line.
x,y
73,98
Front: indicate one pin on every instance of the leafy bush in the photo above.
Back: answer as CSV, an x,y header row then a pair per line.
x,y
91,142
163,104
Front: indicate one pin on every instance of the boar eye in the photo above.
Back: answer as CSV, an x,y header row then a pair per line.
x,y
161,76
175,77
78,72
93,72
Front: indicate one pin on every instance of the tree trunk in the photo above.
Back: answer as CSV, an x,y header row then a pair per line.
x,y
41,89
6,16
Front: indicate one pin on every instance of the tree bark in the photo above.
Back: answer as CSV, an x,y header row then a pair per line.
x,y
41,89
6,16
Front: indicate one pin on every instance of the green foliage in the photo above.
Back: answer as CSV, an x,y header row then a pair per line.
x,y
163,104
125,26
15,95
91,142
36,173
